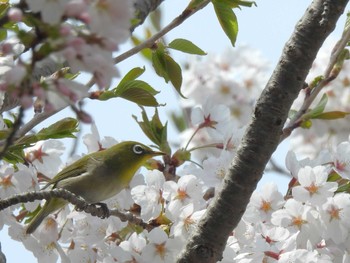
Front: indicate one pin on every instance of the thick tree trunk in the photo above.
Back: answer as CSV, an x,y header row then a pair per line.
x,y
263,134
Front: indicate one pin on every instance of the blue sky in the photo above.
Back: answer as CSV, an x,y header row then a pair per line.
x,y
266,27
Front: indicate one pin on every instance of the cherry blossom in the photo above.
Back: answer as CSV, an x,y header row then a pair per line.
x,y
314,187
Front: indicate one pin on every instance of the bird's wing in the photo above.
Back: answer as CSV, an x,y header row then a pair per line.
x,y
80,167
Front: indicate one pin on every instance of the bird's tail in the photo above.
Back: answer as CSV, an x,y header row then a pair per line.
x,y
50,206
38,218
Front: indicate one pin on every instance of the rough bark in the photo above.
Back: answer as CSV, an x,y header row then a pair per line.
x,y
263,134
143,8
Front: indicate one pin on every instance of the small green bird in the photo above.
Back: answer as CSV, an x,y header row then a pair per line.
x,y
97,176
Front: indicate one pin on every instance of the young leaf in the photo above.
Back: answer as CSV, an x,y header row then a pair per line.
x,y
132,89
132,75
4,5
194,4
167,68
139,84
146,52
136,91
3,34
186,46
154,130
331,115
156,17
174,73
14,157
140,97
227,19
179,121
318,109
238,3
61,129
159,64
139,92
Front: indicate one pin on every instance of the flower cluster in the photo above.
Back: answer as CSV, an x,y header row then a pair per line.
x,y
226,87
79,34
310,222
234,78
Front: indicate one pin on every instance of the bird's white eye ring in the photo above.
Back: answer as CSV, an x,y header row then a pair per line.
x,y
138,149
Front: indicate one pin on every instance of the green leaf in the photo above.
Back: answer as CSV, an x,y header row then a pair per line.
x,y
120,89
140,97
227,19
14,157
156,18
333,177
179,121
159,64
136,91
245,3
132,75
4,5
331,115
167,68
154,130
3,34
186,46
318,109
4,134
174,73
27,38
238,3
194,4
146,52
343,55
13,26
61,129
315,81
345,188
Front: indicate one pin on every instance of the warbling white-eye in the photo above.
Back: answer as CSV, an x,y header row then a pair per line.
x,y
96,176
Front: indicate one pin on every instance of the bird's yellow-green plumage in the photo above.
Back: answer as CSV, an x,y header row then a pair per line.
x,y
97,176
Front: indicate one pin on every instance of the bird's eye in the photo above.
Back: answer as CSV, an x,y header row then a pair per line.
x,y
138,149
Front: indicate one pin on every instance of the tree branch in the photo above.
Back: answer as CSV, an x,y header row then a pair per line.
x,y
99,210
271,111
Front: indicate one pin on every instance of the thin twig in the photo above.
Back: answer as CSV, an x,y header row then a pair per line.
x,y
327,78
152,40
278,169
38,118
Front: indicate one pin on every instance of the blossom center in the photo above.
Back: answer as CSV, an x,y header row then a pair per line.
x,y
312,188
265,206
181,194
340,165
298,221
5,181
160,249
334,212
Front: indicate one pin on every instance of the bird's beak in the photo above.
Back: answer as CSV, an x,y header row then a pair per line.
x,y
155,153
